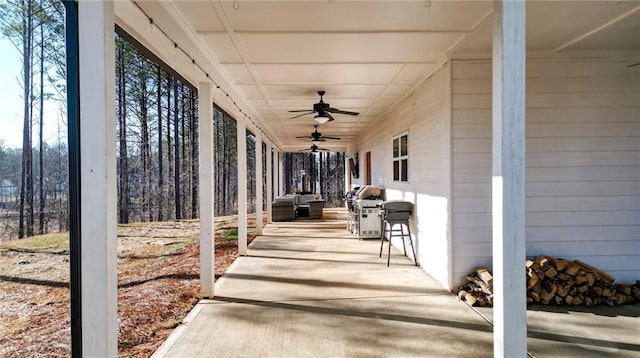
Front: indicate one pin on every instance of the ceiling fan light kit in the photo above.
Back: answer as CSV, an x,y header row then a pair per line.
x,y
322,111
317,136
322,119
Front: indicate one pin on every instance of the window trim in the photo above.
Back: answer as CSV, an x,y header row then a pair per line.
x,y
399,158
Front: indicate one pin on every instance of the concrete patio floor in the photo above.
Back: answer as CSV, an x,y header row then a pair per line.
x,y
309,289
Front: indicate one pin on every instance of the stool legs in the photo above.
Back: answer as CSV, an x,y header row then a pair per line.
x,y
413,249
390,230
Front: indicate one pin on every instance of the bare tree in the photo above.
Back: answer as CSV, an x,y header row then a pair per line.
x,y
123,160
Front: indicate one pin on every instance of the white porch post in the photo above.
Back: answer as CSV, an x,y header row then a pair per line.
x,y
281,187
242,184
509,310
205,172
99,303
269,183
259,183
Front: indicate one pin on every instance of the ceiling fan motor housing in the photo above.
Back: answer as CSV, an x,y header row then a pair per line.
x,y
320,107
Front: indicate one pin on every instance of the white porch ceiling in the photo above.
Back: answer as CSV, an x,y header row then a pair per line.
x,y
274,56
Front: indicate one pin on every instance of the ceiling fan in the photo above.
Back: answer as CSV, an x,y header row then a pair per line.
x,y
314,149
323,111
317,136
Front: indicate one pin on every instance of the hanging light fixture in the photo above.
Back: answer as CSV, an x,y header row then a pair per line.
x,y
152,25
321,118
236,5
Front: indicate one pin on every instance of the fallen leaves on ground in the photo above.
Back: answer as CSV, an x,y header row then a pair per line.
x,y
158,284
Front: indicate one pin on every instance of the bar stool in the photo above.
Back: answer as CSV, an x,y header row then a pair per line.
x,y
394,218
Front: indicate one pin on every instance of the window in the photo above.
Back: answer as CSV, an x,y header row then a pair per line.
x,y
401,157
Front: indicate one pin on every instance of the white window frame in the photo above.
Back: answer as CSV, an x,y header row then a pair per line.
x,y
400,158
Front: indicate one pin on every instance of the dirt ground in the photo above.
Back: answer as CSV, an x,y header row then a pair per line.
x,y
157,286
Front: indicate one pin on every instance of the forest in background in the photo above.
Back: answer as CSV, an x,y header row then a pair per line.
x,y
157,138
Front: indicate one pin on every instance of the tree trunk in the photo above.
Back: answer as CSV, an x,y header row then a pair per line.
x,y
123,192
170,176
227,168
321,174
40,137
184,184
144,144
26,130
176,147
160,169
194,158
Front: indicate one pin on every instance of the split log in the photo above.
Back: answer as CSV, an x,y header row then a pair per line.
x,y
561,264
551,272
485,276
605,277
572,269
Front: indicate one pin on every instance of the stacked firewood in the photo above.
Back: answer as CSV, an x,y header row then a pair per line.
x,y
555,281
479,288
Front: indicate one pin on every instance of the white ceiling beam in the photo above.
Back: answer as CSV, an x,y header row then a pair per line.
x,y
242,51
213,63
597,29
335,32
325,62
470,35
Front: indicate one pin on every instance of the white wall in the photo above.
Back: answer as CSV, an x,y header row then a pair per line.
x,y
426,115
583,164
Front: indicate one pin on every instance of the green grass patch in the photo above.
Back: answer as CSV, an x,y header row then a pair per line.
x,y
180,246
58,241
230,235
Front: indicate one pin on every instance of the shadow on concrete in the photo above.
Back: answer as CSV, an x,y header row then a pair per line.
x,y
585,341
300,236
268,247
352,313
608,311
307,259
325,283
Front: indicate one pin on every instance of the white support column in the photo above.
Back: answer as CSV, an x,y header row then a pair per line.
x,y
99,303
242,184
509,310
259,178
206,175
281,187
269,183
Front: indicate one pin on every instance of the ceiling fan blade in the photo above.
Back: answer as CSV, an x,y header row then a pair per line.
x,y
335,110
327,137
304,136
322,149
634,64
330,116
303,114
299,110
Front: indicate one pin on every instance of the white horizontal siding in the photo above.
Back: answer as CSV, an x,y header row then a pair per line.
x,y
583,164
426,114
562,203
545,233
